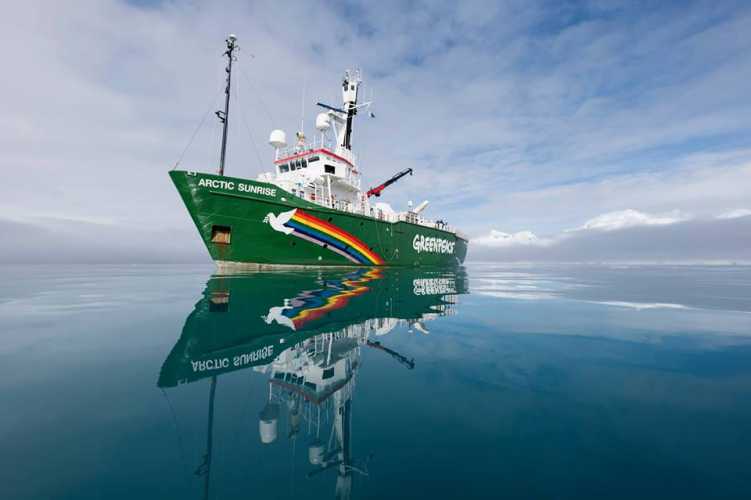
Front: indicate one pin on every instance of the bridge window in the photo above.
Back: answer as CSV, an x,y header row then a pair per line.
x,y
329,169
283,168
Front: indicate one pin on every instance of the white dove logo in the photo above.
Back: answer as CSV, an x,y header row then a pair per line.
x,y
277,314
277,221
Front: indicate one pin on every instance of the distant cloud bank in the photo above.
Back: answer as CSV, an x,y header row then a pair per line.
x,y
629,236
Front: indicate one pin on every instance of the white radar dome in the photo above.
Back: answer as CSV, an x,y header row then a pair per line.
x,y
323,122
278,139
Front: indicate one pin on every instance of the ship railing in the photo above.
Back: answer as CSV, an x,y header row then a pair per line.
x,y
423,221
377,213
315,145
309,146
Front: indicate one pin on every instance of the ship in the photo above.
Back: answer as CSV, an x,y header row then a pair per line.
x,y
305,332
311,208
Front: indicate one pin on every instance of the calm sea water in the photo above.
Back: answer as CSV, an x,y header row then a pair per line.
x,y
490,382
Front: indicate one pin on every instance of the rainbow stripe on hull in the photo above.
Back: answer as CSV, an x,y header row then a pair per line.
x,y
320,232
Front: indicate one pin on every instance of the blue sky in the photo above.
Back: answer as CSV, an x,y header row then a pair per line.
x,y
516,115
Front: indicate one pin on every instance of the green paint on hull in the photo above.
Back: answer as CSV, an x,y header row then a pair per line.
x,y
246,207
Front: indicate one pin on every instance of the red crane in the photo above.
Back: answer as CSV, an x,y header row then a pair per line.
x,y
377,190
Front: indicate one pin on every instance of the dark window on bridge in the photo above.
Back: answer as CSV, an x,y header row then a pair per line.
x,y
329,169
328,373
283,168
221,235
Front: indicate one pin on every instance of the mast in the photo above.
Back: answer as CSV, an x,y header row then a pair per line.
x,y
350,87
223,115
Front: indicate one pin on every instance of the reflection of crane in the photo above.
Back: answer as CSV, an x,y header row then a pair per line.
x,y
377,190
409,363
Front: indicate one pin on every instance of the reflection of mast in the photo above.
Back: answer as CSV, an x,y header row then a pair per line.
x,y
343,425
205,468
315,380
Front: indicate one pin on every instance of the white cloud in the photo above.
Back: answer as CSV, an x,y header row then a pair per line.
x,y
498,238
520,116
606,222
695,240
628,218
741,212
639,306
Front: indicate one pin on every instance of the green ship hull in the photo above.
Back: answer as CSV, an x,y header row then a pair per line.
x,y
256,224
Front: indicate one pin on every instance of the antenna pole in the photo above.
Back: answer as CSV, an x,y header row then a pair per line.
x,y
223,115
350,87
302,114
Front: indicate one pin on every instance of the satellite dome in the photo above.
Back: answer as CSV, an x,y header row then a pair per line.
x,y
323,122
278,139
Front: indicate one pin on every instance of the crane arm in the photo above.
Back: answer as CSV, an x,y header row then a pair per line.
x,y
376,191
409,363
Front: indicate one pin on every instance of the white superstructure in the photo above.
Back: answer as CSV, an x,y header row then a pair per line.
x,y
325,170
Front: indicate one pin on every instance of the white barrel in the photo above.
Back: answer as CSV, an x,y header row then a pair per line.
x,y
323,122
278,139
315,452
268,423
422,206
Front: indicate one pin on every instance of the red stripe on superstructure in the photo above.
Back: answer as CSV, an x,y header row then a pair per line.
x,y
313,152
307,396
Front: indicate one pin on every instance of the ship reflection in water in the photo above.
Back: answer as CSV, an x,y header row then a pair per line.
x,y
305,333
